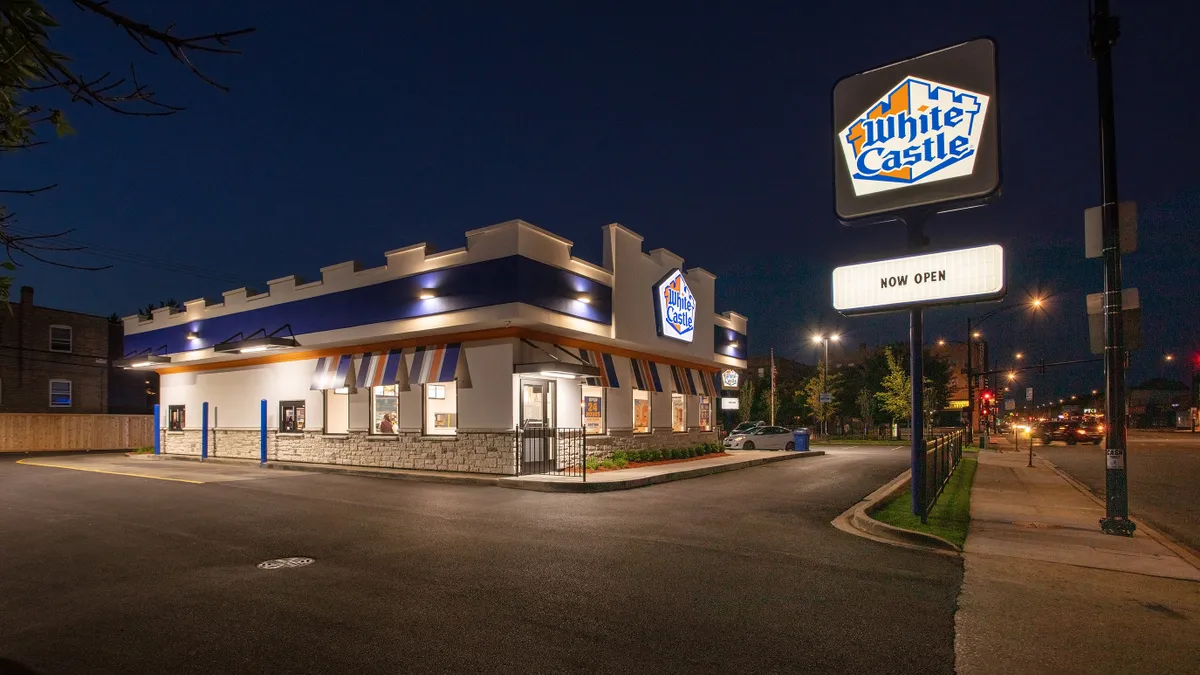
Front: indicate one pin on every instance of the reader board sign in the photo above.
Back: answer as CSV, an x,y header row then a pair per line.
x,y
946,278
729,403
917,134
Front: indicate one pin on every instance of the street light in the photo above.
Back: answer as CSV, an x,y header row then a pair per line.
x,y
1020,356
1034,303
818,339
1169,357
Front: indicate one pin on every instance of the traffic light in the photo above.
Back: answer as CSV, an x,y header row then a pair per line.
x,y
986,396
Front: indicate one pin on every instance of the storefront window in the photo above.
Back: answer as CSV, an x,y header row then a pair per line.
x,y
337,411
291,416
385,409
593,410
175,418
678,412
641,411
706,423
441,409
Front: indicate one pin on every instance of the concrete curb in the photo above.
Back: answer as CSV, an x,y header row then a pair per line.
x,y
516,483
358,471
1187,554
857,521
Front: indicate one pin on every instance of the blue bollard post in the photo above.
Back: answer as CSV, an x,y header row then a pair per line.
x,y
157,432
262,433
204,431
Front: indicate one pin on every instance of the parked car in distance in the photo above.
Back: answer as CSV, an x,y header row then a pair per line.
x,y
762,438
746,426
1069,432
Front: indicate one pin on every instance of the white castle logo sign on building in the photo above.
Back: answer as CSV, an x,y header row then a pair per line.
x,y
919,132
676,307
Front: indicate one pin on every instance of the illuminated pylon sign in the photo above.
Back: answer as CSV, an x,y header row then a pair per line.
x,y
919,132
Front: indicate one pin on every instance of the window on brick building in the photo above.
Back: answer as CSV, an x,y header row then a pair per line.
x,y
60,339
60,393
175,417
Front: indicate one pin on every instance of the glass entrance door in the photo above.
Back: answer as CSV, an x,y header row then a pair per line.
x,y
537,421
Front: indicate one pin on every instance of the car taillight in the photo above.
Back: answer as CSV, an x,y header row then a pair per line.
x,y
1099,427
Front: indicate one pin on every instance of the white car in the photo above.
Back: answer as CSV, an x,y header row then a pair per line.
x,y
762,438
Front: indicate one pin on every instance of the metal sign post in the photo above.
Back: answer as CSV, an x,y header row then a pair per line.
x,y
1104,32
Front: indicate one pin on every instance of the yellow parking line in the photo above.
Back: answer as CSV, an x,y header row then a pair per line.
x,y
111,473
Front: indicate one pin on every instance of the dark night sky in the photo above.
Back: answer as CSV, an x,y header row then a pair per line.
x,y
356,127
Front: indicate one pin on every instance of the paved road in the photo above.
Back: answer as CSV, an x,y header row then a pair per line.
x,y
1164,478
739,572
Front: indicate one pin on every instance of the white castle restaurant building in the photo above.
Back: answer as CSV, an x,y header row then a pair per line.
x,y
438,361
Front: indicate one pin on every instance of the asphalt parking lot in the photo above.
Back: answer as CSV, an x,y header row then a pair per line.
x,y
737,572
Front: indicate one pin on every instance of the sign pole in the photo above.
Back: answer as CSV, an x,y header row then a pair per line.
x,y
917,372
916,341
1104,32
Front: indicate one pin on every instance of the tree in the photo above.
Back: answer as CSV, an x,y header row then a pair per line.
x,y
35,77
746,399
866,408
147,313
895,395
812,394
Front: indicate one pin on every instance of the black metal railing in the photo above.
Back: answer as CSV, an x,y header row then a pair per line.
x,y
942,455
551,451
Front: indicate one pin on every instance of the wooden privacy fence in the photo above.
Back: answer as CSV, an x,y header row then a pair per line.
x,y
20,432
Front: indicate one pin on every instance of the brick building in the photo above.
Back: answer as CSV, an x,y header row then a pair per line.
x,y
54,360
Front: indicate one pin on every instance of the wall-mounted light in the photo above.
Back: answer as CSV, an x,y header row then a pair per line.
x,y
143,359
250,344
193,335
584,298
427,294
733,345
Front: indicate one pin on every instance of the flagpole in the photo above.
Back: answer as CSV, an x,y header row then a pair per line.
x,y
772,386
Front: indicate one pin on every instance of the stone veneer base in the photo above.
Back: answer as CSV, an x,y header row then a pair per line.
x,y
491,452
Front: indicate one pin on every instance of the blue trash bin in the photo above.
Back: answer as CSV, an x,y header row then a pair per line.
x,y
800,437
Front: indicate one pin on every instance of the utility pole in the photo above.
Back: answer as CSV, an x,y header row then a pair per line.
x,y
1104,32
772,386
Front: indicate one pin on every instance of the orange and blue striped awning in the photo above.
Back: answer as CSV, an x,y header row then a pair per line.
x,y
691,381
645,375
376,369
332,372
440,363
608,368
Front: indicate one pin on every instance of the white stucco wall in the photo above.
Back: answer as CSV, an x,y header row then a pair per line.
x,y
234,395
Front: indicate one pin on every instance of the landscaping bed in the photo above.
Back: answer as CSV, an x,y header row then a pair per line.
x,y
632,459
950,516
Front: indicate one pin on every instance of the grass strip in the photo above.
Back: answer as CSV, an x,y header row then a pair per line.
x,y
951,515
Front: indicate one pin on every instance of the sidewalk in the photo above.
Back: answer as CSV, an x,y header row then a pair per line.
x,y
1045,591
625,479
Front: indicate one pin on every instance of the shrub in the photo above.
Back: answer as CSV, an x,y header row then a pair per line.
x,y
621,463
690,452
591,463
653,455
702,450
643,456
620,456
676,453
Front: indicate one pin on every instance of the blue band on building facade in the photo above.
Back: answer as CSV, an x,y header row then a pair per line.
x,y
482,284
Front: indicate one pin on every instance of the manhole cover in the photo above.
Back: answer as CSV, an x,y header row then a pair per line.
x,y
1034,524
280,563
